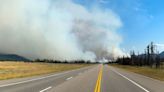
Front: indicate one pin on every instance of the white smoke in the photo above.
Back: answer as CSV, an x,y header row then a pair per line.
x,y
58,29
160,47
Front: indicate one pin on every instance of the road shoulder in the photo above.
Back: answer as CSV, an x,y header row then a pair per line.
x,y
149,83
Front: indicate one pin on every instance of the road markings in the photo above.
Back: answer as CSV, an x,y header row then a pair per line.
x,y
69,78
26,81
131,81
98,83
45,89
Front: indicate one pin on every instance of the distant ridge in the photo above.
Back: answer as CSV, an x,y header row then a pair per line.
x,y
12,57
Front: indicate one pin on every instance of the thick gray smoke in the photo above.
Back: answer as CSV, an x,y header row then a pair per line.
x,y
58,29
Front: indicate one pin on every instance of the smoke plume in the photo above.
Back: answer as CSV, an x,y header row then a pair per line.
x,y
58,29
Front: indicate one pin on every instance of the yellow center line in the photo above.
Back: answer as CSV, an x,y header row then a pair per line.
x,y
98,83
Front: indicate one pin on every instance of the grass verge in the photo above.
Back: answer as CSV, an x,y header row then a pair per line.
x,y
10,70
147,71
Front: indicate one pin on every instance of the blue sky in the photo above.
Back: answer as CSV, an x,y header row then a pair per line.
x,y
143,20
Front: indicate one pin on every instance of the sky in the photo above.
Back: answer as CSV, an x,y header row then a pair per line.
x,y
80,29
143,21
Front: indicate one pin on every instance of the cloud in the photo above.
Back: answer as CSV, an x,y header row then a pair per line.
x,y
59,29
104,1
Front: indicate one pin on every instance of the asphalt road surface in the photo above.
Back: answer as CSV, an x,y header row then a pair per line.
x,y
97,78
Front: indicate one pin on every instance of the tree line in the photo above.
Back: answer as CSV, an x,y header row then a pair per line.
x,y
65,61
149,58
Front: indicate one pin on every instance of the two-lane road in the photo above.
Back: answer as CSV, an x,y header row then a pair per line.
x,y
98,78
39,83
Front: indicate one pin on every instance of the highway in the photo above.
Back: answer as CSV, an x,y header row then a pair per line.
x,y
97,78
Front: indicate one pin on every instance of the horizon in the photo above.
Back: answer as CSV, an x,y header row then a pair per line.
x,y
80,29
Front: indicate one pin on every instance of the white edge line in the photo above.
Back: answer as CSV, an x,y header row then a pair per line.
x,y
131,81
16,83
69,78
45,89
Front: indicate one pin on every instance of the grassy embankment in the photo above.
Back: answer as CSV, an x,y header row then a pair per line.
x,y
147,71
10,70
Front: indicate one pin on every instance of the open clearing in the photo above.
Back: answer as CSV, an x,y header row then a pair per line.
x,y
10,70
147,71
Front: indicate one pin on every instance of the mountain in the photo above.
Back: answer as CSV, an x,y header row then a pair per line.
x,y
12,57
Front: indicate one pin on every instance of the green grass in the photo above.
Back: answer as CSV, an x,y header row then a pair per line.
x,y
10,70
147,71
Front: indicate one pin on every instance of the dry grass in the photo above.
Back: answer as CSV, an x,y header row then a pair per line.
x,y
10,70
147,71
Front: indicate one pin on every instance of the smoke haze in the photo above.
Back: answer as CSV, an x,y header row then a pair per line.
x,y
58,29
